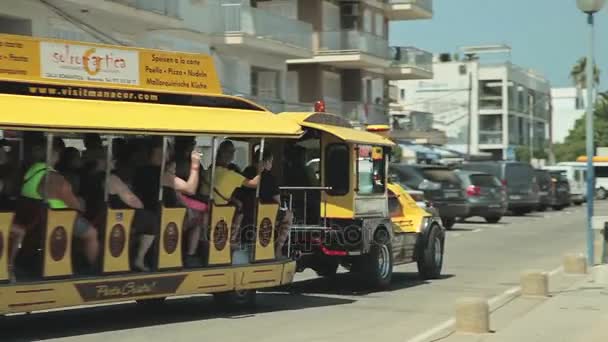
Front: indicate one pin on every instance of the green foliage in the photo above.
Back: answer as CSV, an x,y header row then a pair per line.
x,y
522,153
396,154
574,144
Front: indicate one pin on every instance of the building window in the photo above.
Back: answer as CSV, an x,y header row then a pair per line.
x,y
335,176
379,25
265,83
490,94
579,103
367,20
490,129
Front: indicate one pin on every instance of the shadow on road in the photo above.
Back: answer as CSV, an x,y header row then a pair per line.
x,y
76,322
347,284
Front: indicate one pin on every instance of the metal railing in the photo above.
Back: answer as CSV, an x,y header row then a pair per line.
x,y
490,137
332,42
410,56
169,8
239,18
425,4
366,113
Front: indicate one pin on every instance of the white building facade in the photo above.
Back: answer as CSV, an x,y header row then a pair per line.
x,y
568,106
336,50
490,108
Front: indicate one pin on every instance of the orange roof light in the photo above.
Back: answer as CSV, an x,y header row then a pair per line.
x,y
598,159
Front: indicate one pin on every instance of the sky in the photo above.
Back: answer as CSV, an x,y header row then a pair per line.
x,y
546,35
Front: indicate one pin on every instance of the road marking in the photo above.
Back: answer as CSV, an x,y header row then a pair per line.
x,y
475,230
493,303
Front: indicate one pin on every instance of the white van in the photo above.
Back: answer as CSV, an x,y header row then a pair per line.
x,y
577,179
600,170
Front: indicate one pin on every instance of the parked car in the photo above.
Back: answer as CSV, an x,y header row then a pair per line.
x,y
486,196
545,183
577,180
517,177
441,187
560,189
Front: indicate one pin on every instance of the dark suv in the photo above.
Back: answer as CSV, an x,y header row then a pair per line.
x,y
517,177
441,187
486,195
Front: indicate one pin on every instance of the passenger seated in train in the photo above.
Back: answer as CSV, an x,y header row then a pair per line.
x,y
41,178
270,193
147,182
145,222
227,181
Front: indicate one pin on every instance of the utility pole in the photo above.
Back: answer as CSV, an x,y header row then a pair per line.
x,y
470,114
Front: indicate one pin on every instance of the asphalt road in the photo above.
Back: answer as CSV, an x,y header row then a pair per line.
x,y
481,260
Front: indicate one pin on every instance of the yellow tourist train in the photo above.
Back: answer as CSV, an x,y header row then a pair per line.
x,y
126,174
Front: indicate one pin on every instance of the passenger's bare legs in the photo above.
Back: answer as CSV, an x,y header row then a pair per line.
x,y
145,242
283,233
16,236
91,245
236,229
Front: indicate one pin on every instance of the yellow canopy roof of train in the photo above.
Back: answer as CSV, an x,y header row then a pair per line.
x,y
315,120
72,115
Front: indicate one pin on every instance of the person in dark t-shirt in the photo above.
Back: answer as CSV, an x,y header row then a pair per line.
x,y
270,193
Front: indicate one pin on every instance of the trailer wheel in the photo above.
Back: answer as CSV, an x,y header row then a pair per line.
x,y
377,266
236,300
430,254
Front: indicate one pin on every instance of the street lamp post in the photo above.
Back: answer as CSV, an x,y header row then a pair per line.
x,y
590,7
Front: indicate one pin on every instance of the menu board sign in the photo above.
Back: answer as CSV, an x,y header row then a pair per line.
x,y
77,63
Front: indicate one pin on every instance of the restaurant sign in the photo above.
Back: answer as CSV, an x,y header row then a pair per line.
x,y
31,59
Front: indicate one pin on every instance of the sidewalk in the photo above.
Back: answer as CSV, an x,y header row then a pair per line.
x,y
577,314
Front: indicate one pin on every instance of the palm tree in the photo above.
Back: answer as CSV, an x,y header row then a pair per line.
x,y
578,74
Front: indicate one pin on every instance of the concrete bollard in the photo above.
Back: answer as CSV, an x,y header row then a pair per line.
x,y
600,274
575,264
472,315
534,283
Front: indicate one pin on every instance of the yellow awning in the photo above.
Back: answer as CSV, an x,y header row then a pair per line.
x,y
344,133
69,115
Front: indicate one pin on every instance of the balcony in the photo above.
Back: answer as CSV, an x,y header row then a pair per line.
x,y
349,49
235,24
364,113
409,63
162,7
409,9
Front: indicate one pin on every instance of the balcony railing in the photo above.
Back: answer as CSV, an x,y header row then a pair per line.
x,y
406,56
366,113
490,137
239,18
169,8
425,4
332,42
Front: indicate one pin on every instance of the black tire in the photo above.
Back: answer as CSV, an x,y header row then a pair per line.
x,y
429,260
377,266
601,194
558,207
577,203
493,219
521,211
236,300
448,222
541,208
151,301
326,268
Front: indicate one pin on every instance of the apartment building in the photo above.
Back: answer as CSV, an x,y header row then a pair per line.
x,y
337,51
250,44
352,61
483,107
